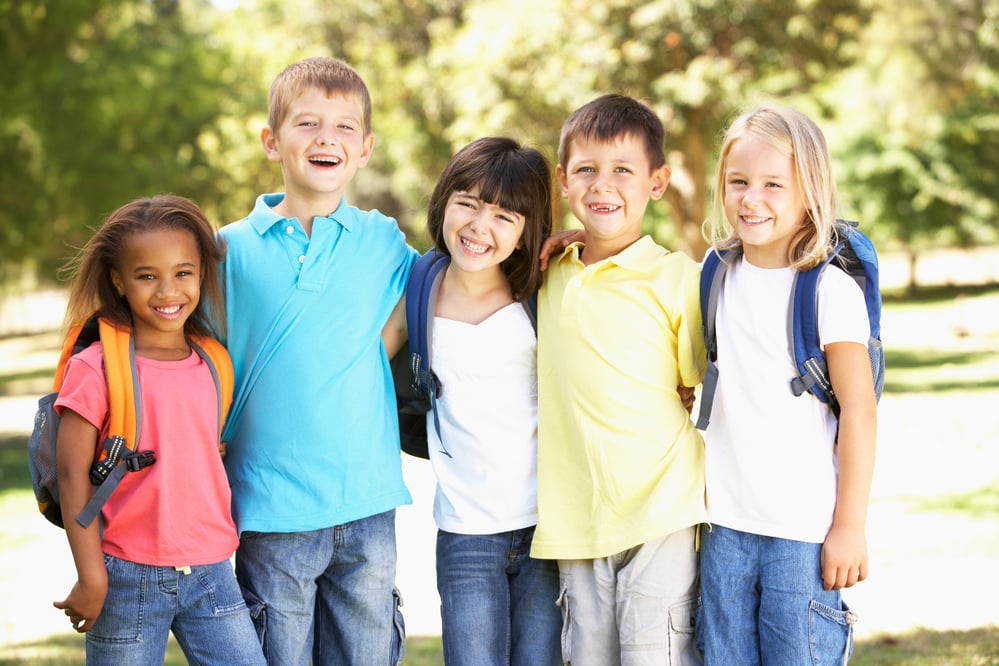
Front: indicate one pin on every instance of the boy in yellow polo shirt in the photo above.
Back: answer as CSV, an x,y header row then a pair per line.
x,y
620,465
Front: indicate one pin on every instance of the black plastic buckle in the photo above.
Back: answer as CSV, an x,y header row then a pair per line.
x,y
140,460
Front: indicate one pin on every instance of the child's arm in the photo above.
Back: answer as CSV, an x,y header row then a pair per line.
x,y
844,553
395,332
74,457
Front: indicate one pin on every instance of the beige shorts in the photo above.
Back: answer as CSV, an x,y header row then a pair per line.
x,y
633,608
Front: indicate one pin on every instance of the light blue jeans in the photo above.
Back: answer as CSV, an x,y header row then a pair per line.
x,y
497,603
327,596
144,603
762,602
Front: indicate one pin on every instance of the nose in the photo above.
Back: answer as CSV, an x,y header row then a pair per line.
x,y
478,223
599,184
326,136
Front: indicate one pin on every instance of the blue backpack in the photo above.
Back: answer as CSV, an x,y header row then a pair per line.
x,y
855,255
417,387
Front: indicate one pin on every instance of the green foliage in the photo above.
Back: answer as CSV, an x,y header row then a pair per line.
x,y
107,100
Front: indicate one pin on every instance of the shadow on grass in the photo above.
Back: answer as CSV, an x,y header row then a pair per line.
x,y
14,472
936,293
68,649
924,362
925,647
976,503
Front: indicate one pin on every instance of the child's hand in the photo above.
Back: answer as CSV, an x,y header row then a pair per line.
x,y
560,240
686,397
84,604
222,446
844,558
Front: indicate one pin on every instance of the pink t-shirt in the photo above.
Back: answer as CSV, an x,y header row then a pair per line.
x,y
175,512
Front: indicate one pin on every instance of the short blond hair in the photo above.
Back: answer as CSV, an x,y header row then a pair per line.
x,y
795,135
330,75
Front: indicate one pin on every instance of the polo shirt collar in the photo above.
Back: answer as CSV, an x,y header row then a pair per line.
x,y
634,257
263,216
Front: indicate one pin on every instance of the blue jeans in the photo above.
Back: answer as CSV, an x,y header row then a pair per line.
x,y
327,596
497,602
762,602
144,602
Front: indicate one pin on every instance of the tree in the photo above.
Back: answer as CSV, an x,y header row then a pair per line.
x,y
107,101
926,168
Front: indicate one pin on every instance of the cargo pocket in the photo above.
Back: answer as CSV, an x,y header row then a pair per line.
x,y
563,603
399,647
682,616
258,615
830,634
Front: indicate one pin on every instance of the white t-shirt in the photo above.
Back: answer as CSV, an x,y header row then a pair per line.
x,y
770,456
488,414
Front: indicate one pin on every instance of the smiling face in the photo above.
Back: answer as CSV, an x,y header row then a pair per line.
x,y
763,202
159,274
608,185
320,145
478,235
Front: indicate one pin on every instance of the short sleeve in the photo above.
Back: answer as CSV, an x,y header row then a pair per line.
x,y
84,388
842,311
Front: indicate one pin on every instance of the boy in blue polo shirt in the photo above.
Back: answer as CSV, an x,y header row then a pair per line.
x,y
313,443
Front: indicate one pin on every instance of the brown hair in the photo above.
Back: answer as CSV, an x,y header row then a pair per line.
x,y
510,176
93,289
611,116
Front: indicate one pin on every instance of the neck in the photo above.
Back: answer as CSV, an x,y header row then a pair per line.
x,y
305,209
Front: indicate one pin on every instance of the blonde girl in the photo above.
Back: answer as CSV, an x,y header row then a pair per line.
x,y
787,483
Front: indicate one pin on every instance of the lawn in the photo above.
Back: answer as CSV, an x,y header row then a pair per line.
x,y
933,529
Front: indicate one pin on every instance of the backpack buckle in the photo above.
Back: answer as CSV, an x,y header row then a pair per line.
x,y
140,460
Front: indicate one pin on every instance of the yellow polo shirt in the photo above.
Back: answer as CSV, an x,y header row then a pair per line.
x,y
619,460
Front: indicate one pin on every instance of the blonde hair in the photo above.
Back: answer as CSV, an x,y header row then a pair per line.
x,y
330,75
794,134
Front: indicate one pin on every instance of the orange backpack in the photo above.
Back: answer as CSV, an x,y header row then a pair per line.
x,y
120,452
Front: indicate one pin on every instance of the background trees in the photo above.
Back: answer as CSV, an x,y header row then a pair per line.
x,y
110,99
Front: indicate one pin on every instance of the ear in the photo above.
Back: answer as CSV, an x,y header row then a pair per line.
x,y
563,182
269,140
118,283
660,181
367,148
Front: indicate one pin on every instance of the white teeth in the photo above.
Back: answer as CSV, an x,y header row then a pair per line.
x,y
325,160
474,247
754,220
169,310
604,208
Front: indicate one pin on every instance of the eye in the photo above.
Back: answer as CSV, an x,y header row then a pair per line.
x,y
506,217
622,169
307,123
774,185
736,181
145,276
347,126
184,273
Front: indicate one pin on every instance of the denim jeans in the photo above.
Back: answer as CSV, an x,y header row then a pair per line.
x,y
762,602
497,603
144,602
327,596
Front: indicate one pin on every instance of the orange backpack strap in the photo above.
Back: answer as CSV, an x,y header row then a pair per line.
x,y
119,453
219,362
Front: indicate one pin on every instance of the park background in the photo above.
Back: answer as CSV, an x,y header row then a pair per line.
x,y
107,100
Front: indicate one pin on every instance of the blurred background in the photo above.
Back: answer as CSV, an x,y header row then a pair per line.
x,y
106,100
103,101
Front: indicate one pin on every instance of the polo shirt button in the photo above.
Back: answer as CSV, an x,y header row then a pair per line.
x,y
289,230
301,258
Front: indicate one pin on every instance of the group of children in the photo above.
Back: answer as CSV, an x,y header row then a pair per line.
x,y
569,538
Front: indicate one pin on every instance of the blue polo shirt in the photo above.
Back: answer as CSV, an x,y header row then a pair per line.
x,y
313,435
